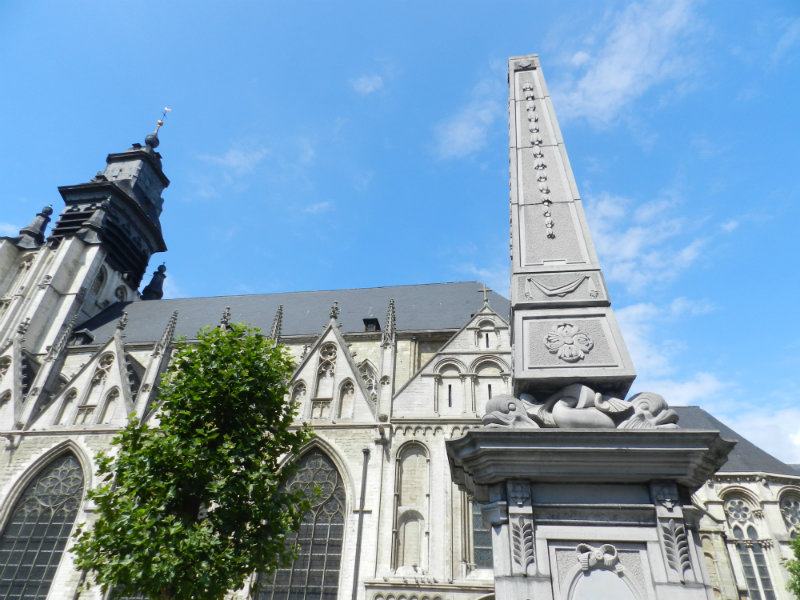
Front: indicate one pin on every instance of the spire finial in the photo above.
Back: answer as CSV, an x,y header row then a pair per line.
x,y
225,320
277,322
484,290
390,325
334,311
152,140
155,289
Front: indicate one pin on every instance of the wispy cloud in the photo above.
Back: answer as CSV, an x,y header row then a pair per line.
x,y
651,246
367,84
789,37
319,207
238,160
645,47
7,229
777,432
465,132
496,277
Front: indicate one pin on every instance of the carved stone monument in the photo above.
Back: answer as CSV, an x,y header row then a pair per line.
x,y
588,494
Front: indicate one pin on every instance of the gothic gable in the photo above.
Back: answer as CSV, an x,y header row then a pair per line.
x,y
460,378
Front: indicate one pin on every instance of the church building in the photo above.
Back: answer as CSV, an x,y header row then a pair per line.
x,y
384,375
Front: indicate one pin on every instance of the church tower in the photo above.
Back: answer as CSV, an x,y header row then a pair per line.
x,y
95,255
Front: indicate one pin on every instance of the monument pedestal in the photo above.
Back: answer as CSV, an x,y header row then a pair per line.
x,y
590,513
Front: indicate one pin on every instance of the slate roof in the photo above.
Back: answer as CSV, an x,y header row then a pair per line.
x,y
433,306
745,457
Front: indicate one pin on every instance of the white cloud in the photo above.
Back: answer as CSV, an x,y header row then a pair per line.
x,y
7,229
238,160
697,389
319,207
647,249
645,47
496,278
465,132
361,181
307,152
367,84
776,432
729,226
683,306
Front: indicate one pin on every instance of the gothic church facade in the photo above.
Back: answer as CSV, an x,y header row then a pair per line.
x,y
384,375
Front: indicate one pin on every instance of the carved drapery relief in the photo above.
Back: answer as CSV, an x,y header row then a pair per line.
x,y
578,405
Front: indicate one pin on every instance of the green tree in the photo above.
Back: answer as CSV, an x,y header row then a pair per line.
x,y
793,566
189,508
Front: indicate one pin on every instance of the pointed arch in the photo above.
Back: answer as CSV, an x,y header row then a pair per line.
x,y
315,571
39,522
346,400
411,508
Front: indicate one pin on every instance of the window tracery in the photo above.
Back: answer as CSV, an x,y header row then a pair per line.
x,y
750,547
790,509
370,378
314,574
37,531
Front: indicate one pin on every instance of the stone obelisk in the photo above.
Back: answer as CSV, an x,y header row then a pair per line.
x,y
563,327
588,494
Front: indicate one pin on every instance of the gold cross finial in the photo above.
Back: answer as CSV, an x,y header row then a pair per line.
x,y
160,122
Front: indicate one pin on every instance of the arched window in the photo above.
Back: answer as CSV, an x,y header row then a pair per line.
x,y
411,509
790,509
370,379
450,390
750,548
486,335
99,281
35,535
347,395
314,575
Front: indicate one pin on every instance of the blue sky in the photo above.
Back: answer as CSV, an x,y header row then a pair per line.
x,y
323,145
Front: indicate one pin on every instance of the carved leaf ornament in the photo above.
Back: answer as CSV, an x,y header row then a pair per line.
x,y
676,547
522,543
568,342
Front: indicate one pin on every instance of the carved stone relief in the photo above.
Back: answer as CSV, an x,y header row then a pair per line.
x,y
568,342
578,405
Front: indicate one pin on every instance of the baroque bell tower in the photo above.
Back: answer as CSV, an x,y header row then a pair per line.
x,y
96,254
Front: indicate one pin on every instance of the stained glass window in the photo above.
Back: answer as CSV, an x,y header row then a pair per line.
x,y
314,574
37,531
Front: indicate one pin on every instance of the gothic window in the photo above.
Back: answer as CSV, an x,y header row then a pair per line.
x,y
66,408
314,574
790,509
370,379
347,394
411,509
99,281
713,568
325,371
5,365
750,548
481,539
299,394
110,406
37,531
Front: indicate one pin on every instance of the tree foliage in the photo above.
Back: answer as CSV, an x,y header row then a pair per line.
x,y
793,566
191,507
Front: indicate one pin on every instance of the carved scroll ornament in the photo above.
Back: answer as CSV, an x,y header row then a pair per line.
x,y
578,405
